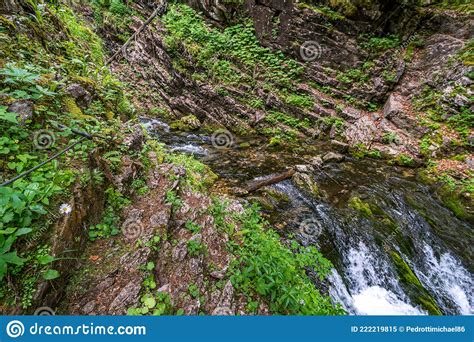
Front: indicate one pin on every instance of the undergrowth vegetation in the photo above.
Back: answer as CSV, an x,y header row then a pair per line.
x,y
267,268
40,56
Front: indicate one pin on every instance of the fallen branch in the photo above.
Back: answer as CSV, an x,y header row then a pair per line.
x,y
272,179
160,10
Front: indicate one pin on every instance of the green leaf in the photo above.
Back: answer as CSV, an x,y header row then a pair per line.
x,y
7,116
7,244
7,217
150,302
45,259
50,274
3,268
23,231
7,231
12,258
150,265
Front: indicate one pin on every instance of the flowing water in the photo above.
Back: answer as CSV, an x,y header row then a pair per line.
x,y
412,250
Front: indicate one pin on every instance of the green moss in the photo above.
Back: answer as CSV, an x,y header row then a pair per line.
x,y
415,289
357,204
71,107
187,123
452,200
403,160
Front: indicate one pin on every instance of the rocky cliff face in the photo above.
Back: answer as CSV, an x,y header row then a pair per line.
x,y
355,74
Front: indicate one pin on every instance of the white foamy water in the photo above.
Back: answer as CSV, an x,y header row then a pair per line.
x,y
156,124
189,148
445,275
372,288
376,300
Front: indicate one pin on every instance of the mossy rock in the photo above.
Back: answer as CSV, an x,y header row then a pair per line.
x,y
452,200
187,123
306,183
415,289
277,196
362,207
72,108
263,202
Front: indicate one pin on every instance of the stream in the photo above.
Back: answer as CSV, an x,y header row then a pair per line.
x,y
411,230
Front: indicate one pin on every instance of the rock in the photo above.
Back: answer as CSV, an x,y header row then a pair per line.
x,y
304,168
24,109
316,161
126,297
350,114
80,94
165,288
197,238
333,157
89,307
362,131
340,146
193,308
186,123
180,251
222,311
219,274
134,141
306,183
239,191
191,121
393,107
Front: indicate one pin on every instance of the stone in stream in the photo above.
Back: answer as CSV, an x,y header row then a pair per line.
x,y
316,161
333,157
304,168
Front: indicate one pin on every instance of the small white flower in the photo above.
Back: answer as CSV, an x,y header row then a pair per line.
x,y
302,302
65,209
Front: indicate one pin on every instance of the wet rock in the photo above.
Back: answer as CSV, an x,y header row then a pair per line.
x,y
187,123
333,157
306,183
393,107
304,168
24,109
316,161
191,121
